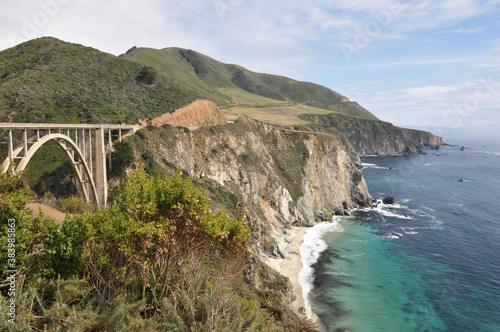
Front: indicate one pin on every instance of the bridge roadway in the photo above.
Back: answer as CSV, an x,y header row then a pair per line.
x,y
84,144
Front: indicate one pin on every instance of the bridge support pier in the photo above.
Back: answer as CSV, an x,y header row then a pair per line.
x,y
100,168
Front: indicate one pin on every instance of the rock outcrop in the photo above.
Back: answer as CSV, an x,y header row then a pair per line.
x,y
375,137
274,178
388,200
199,113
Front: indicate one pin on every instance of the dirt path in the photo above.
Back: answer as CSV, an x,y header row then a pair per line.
x,y
48,211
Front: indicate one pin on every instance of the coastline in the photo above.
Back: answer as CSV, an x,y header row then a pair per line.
x,y
307,246
291,266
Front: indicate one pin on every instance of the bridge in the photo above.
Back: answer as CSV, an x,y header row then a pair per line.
x,y
84,144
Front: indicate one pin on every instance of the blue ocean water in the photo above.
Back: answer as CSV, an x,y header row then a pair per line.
x,y
429,263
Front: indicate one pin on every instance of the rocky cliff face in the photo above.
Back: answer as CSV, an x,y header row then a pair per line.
x,y
274,178
374,137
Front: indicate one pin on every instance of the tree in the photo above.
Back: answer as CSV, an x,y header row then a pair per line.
x,y
122,157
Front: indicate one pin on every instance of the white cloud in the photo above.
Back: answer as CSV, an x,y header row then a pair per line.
x,y
494,45
428,91
469,31
108,25
470,101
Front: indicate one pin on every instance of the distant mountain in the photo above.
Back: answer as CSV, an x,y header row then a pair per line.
x,y
48,80
234,86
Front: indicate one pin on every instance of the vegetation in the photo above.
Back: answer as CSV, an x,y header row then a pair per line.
x,y
47,80
122,157
234,86
76,204
159,259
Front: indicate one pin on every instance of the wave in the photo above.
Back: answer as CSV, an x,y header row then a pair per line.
x,y
368,165
391,236
310,251
387,210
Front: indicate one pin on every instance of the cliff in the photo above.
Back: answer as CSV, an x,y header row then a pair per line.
x,y
273,177
375,137
198,113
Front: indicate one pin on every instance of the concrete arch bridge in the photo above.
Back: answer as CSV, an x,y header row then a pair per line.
x,y
84,144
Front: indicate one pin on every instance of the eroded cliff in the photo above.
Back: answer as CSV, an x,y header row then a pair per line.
x,y
375,137
273,177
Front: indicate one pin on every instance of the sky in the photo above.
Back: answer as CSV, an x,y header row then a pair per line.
x,y
415,63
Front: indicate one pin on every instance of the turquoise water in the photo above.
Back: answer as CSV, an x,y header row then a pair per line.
x,y
429,263
370,280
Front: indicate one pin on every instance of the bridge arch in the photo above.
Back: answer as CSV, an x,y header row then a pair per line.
x,y
87,151
83,173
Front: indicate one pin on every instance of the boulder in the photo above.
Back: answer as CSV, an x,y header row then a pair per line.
x,y
388,200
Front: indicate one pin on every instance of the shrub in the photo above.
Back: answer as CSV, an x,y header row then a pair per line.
x,y
76,204
42,248
147,75
122,157
155,225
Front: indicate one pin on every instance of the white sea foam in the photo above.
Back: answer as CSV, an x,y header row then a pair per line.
x,y
387,210
368,165
310,251
391,237
357,255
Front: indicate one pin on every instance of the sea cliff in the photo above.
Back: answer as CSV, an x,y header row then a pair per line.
x,y
274,178
375,137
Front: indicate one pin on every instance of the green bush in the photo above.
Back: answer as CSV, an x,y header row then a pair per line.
x,y
76,204
159,259
147,75
122,157
155,224
43,249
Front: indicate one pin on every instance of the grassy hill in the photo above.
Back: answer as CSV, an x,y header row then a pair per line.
x,y
282,101
237,90
48,80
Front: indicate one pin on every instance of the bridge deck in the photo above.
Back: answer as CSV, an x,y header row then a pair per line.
x,y
10,126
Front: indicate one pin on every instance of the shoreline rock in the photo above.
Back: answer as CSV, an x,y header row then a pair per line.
x,y
388,200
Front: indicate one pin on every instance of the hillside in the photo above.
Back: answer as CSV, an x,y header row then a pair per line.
x,y
372,137
282,102
48,80
233,87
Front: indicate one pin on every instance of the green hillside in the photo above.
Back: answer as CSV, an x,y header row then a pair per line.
x,y
48,80
240,91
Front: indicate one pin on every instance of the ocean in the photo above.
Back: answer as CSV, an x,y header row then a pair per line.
x,y
431,262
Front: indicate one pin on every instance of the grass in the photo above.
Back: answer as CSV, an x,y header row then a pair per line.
x,y
232,86
48,80
277,115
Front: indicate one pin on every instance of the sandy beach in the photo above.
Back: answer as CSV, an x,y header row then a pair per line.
x,y
291,266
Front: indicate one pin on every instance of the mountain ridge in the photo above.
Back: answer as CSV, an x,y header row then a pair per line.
x,y
48,80
284,102
223,82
